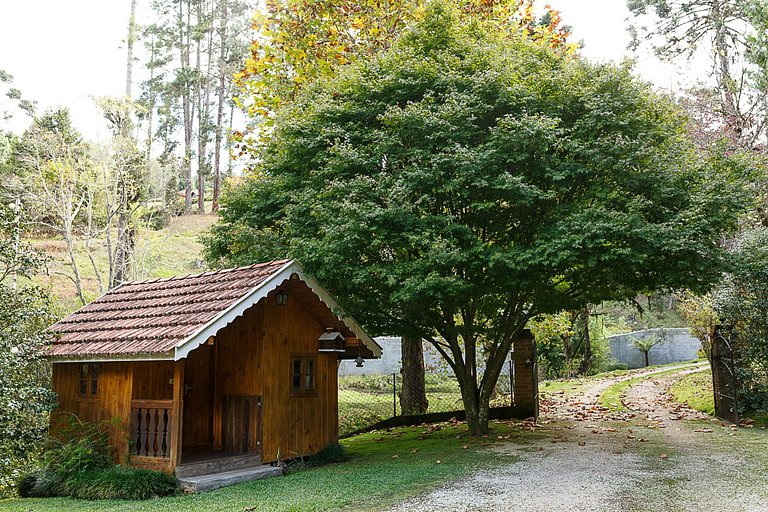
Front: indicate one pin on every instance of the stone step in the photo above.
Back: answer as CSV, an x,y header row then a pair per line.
x,y
218,465
214,481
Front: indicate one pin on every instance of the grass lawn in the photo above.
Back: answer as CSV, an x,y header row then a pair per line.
x,y
384,468
611,397
695,389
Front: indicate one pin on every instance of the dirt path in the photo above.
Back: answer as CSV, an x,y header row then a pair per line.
x,y
659,456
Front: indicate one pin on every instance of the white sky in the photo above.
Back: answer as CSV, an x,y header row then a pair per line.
x,y
65,53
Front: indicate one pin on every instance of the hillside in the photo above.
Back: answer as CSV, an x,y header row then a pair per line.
x,y
174,250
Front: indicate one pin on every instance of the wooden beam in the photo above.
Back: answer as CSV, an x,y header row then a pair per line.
x,y
178,412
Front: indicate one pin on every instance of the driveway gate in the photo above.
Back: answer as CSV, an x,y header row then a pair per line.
x,y
724,374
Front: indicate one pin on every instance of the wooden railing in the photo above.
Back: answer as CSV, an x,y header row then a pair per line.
x,y
151,428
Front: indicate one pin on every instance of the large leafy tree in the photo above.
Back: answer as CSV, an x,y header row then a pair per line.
x,y
465,182
25,394
300,41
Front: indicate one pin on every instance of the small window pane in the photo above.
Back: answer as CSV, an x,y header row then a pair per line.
x,y
297,375
94,387
83,386
309,382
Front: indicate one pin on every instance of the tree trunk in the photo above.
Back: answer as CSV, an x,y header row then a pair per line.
x,y
151,107
471,399
124,242
184,50
203,114
413,395
129,44
587,359
72,261
220,92
725,81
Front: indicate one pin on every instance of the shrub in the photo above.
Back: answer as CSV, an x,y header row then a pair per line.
x,y
330,454
40,484
115,483
119,483
80,446
79,463
26,485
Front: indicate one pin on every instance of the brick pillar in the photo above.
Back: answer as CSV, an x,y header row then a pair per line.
x,y
526,378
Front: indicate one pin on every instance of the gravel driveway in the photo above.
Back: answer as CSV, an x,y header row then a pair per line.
x,y
660,457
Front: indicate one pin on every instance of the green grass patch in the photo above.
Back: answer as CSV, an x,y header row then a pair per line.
x,y
576,385
695,389
383,468
367,399
611,397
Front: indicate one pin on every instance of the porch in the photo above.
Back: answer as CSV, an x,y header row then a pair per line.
x,y
179,422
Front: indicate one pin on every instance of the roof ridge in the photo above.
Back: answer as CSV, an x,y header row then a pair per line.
x,y
203,274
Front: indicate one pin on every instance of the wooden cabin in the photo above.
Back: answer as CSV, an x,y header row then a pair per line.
x,y
215,365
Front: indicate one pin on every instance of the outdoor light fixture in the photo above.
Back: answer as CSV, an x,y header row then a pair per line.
x,y
281,297
359,361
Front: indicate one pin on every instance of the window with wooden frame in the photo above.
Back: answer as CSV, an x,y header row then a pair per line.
x,y
303,376
89,380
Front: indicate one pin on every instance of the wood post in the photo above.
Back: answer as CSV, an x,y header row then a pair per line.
x,y
177,413
526,378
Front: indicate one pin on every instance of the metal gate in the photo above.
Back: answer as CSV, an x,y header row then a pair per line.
x,y
724,380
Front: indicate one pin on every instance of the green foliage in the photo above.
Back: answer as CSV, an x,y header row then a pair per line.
x,y
452,191
561,345
155,218
25,394
119,483
12,101
330,454
80,446
114,483
25,487
79,463
550,332
742,302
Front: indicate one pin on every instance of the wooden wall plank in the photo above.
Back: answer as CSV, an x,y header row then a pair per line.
x,y
254,359
113,401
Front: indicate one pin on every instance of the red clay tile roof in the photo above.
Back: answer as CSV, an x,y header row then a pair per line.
x,y
152,317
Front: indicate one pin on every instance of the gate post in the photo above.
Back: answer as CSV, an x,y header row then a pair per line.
x,y
724,381
526,379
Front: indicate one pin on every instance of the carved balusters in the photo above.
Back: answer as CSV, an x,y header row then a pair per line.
x,y
151,431
165,434
138,432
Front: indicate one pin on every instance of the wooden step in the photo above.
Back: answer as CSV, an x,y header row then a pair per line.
x,y
218,465
214,481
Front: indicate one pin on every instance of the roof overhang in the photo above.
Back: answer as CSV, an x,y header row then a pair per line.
x,y
237,309
291,269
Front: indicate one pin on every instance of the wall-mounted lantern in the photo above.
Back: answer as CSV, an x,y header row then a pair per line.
x,y
282,297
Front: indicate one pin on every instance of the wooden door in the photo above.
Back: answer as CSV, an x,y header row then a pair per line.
x,y
242,424
197,428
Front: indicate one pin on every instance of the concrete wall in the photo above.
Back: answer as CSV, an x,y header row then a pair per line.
x,y
391,360
679,346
